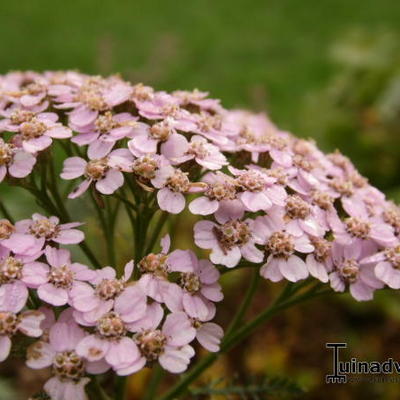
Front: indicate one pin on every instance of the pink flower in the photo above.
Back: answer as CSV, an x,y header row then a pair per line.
x,y
173,183
209,335
228,242
169,345
281,248
104,173
204,153
199,284
104,132
69,368
387,266
46,230
12,301
25,246
147,138
96,299
258,191
360,229
110,340
348,271
54,283
36,132
220,198
16,161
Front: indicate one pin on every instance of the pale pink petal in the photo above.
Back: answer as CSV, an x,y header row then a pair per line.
x,y
209,336
173,360
22,164
73,168
30,322
35,274
203,206
111,182
92,348
52,295
172,202
69,236
78,191
40,355
5,347
178,329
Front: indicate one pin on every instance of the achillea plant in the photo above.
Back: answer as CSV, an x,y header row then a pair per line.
x,y
263,199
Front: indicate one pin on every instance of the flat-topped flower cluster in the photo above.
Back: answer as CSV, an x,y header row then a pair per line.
x,y
262,198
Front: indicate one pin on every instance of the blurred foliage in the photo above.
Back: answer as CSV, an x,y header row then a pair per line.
x,y
359,110
266,388
326,69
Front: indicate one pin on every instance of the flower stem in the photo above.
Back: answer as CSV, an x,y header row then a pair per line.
x,y
155,381
120,383
245,303
284,301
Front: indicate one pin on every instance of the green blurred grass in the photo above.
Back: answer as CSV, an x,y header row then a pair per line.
x,y
259,54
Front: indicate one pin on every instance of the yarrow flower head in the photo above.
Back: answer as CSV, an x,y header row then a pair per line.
x,y
251,194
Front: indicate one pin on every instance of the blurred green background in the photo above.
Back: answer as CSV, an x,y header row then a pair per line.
x,y
325,69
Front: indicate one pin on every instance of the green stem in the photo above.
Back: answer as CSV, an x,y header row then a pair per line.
x,y
156,232
284,301
98,391
245,303
155,381
120,383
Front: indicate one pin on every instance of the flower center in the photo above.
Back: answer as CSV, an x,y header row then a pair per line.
x,y
232,233
190,282
20,116
338,159
343,187
221,191
32,129
61,277
8,323
357,228
392,217
278,173
111,326
322,248
207,122
161,131
143,93
96,169
155,264
44,228
280,244
10,269
275,141
252,181
6,229
151,343
109,289
349,270
303,163
392,255
105,123
170,110
90,95
322,200
6,153
145,167
179,182
68,365
199,149
296,208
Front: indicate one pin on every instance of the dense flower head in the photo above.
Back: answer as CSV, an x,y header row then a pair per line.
x,y
260,197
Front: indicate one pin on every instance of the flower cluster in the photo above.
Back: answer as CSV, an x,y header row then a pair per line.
x,y
261,196
106,322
